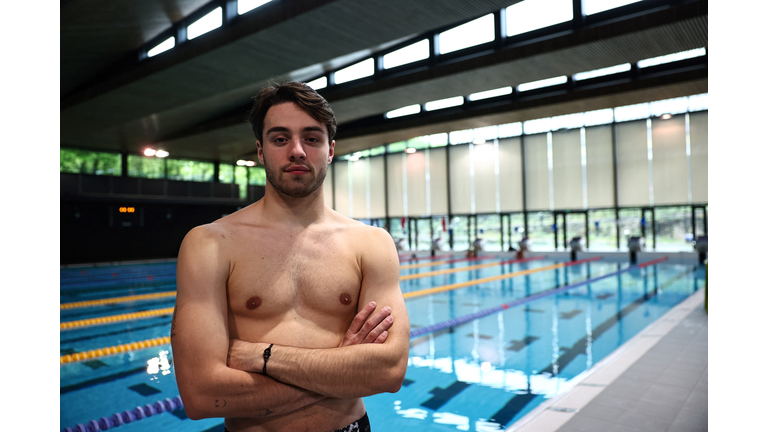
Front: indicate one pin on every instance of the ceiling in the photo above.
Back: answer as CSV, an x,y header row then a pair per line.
x,y
193,100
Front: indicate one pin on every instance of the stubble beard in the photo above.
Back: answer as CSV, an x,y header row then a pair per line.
x,y
294,188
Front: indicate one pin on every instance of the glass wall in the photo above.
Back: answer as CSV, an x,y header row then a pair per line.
x,y
189,170
90,162
461,235
146,167
489,229
541,230
673,228
630,226
602,230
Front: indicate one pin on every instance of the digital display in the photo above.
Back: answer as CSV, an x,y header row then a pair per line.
x,y
127,209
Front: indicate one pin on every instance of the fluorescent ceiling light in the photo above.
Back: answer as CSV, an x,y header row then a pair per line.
x,y
595,6
409,54
542,83
491,93
205,24
162,47
356,71
319,83
698,52
531,15
244,6
149,152
162,154
602,72
404,111
466,35
410,150
444,103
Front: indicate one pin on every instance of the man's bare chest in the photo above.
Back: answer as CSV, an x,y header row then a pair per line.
x,y
305,278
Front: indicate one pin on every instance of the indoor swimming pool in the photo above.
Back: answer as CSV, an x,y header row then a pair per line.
x,y
491,338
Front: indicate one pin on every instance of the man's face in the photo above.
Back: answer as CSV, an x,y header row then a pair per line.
x,y
295,152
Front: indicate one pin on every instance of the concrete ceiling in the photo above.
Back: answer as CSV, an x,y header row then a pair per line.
x,y
193,99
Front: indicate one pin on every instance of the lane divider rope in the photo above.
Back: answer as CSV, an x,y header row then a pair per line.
x,y
115,318
450,287
137,297
117,349
485,312
460,269
128,416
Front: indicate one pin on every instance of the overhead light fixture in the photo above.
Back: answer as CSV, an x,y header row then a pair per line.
x,y
666,116
410,150
250,163
161,153
149,152
478,141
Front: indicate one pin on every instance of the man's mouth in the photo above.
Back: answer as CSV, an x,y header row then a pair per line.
x,y
297,169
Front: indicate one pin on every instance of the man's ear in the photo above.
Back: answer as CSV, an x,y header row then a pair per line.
x,y
330,151
260,152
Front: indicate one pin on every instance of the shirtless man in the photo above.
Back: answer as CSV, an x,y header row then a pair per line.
x,y
288,313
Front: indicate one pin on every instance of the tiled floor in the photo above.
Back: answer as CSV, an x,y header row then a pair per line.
x,y
658,384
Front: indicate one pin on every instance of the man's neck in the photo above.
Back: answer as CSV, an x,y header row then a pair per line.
x,y
292,211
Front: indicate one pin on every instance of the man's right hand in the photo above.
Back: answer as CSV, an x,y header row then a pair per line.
x,y
369,327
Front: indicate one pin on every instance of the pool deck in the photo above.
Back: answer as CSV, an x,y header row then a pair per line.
x,y
657,381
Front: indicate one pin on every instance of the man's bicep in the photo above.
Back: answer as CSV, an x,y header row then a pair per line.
x,y
199,328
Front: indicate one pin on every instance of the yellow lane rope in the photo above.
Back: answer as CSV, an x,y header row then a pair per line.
x,y
117,300
426,264
115,318
453,270
101,352
480,281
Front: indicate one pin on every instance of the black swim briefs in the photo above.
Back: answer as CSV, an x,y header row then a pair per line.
x,y
361,425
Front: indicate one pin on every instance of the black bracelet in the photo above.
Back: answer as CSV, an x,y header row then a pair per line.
x,y
267,354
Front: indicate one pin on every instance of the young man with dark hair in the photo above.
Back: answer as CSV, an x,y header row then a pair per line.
x,y
288,313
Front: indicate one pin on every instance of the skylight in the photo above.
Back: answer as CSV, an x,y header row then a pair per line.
x,y
244,6
205,24
542,83
698,52
510,130
598,117
404,111
162,47
531,15
595,6
568,121
669,106
490,93
319,83
602,72
537,126
698,102
462,136
444,103
356,71
473,33
632,112
409,54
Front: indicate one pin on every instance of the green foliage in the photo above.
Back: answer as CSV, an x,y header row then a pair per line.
x,y
182,169
146,167
89,162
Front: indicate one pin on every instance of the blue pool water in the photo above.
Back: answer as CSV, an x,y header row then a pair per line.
x,y
482,374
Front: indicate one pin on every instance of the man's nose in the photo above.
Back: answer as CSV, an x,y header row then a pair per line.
x,y
296,150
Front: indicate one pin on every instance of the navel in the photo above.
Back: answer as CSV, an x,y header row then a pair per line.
x,y
345,299
253,302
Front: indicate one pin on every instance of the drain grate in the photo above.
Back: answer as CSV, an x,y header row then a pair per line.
x,y
564,410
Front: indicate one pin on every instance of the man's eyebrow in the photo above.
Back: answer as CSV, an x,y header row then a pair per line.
x,y
277,129
285,129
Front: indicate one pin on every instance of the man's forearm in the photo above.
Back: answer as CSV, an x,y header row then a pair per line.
x,y
345,372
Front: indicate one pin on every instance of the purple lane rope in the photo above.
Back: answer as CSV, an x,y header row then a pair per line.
x,y
128,416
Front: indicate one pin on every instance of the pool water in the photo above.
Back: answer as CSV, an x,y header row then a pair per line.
x,y
472,365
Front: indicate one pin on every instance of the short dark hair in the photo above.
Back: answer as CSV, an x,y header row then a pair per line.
x,y
299,93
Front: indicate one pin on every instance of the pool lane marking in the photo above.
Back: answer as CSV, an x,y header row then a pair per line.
x,y
461,269
425,257
453,322
115,318
437,263
102,352
116,300
494,278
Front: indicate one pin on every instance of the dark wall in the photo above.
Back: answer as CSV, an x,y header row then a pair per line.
x,y
93,228
93,231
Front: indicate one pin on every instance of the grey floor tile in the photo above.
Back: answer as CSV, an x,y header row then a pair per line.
x,y
645,421
689,421
586,424
602,412
660,411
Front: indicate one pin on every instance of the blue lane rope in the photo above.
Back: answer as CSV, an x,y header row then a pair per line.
x,y
128,416
453,322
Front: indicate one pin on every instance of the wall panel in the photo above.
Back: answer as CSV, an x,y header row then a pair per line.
x,y
632,163
699,156
341,187
438,181
376,176
567,177
536,172
484,163
670,163
416,170
460,181
358,175
510,175
395,184
599,143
